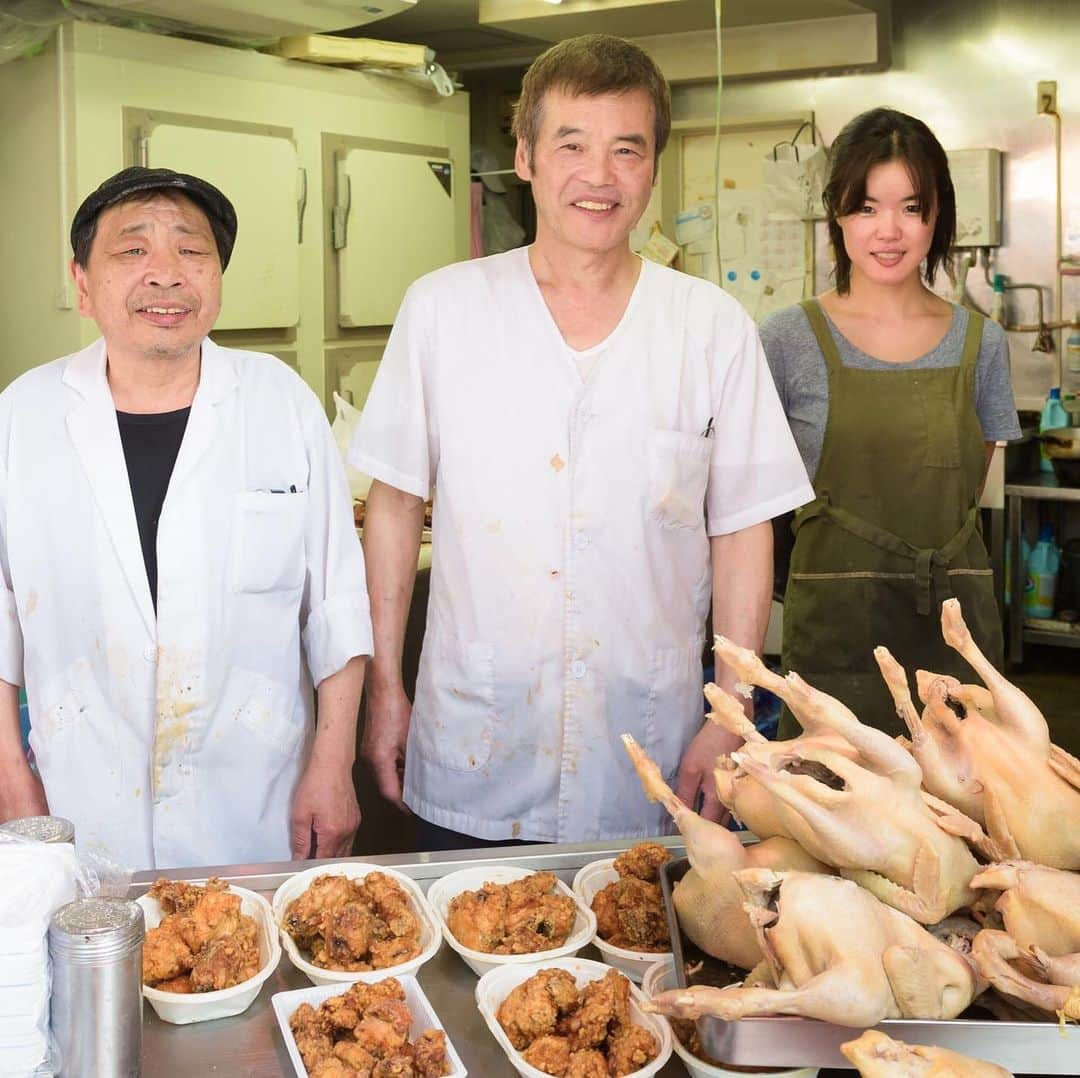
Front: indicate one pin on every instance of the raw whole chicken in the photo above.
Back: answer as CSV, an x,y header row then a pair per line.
x,y
708,901
1037,958
836,953
876,1055
987,751
864,815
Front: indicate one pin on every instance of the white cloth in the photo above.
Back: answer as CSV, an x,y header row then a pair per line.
x,y
571,563
177,740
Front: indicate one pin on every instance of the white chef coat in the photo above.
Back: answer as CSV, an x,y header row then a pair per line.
x,y
570,560
177,739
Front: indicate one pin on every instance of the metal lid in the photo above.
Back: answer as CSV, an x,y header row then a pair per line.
x,y
96,928
42,828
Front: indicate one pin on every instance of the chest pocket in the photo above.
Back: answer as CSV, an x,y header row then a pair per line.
x,y
268,541
942,426
678,476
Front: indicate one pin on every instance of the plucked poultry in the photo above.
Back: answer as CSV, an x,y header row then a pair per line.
x,y
708,901
1036,959
876,1055
835,953
987,751
862,811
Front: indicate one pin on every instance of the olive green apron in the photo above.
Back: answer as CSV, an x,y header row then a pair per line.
x,y
893,532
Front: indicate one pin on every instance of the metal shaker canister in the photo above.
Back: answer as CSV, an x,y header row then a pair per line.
x,y
42,828
96,950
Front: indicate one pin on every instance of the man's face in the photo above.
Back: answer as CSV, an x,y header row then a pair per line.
x,y
152,281
591,169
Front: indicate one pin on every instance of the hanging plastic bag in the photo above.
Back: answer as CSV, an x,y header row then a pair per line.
x,y
794,180
346,419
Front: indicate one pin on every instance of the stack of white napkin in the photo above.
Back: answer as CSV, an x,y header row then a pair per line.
x,y
35,880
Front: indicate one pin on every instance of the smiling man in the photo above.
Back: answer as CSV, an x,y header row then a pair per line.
x,y
179,564
606,451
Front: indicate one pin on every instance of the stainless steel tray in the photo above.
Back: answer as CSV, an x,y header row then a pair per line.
x,y
1041,1048
250,1045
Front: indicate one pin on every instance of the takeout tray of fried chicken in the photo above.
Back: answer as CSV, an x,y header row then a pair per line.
x,y
924,889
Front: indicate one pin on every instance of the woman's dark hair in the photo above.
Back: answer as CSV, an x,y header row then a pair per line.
x,y
875,138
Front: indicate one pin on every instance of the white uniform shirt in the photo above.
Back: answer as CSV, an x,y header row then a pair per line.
x,y
176,740
570,561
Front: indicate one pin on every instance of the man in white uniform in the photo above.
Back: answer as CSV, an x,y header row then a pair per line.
x,y
606,451
179,564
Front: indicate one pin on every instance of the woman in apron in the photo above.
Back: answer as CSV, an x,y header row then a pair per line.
x,y
895,398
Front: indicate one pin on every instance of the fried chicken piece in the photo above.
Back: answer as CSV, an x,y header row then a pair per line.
x,y
331,1067
529,887
534,1006
179,896
304,915
354,1055
392,952
605,1005
313,1039
538,925
630,913
630,1047
587,1063
339,1013
430,1058
391,902
347,932
214,915
165,955
361,996
642,861
382,1036
227,960
549,1054
400,1066
477,919
181,985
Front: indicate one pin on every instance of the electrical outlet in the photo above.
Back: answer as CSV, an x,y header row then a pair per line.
x,y
1046,97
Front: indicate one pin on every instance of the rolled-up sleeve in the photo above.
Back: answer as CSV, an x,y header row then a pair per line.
x,y
11,637
336,614
395,441
755,470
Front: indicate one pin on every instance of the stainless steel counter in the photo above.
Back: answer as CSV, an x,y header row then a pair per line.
x,y
251,1044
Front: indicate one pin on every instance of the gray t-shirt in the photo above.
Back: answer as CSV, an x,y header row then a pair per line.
x,y
801,377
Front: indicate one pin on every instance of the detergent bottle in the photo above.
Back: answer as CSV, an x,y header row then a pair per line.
x,y
1042,574
1053,416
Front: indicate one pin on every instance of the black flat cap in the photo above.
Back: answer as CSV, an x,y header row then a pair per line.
x,y
218,209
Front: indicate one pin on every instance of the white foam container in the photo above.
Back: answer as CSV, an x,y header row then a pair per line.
x,y
592,878
295,886
181,1009
443,890
285,1005
497,984
659,978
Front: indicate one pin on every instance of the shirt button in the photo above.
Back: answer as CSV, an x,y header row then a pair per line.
x,y
150,654
578,669
581,541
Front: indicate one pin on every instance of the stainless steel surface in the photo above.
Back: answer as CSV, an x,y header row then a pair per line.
x,y
95,945
969,68
42,828
251,1044
780,1041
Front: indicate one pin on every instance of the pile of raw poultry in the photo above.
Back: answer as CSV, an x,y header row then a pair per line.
x,y
895,878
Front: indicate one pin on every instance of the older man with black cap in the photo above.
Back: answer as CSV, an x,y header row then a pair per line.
x,y
179,565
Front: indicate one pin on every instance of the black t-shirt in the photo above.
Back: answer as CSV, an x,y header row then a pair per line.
x,y
151,443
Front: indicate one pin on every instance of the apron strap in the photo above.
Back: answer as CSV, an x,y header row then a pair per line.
x,y
972,340
925,560
826,342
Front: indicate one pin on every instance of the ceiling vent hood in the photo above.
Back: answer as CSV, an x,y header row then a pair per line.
x,y
257,21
